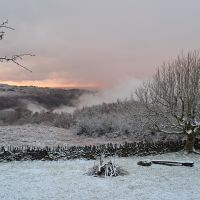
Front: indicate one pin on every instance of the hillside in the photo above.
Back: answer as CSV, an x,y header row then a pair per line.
x,y
48,98
31,105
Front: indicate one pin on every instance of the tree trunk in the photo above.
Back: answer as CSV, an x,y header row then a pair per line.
x,y
189,146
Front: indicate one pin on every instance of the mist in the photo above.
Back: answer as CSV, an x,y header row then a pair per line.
x,y
34,106
123,91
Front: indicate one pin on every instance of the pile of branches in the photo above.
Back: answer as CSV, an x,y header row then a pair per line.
x,y
106,169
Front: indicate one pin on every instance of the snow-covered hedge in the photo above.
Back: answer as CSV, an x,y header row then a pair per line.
x,y
61,120
120,118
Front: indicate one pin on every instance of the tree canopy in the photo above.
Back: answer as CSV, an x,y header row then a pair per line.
x,y
172,97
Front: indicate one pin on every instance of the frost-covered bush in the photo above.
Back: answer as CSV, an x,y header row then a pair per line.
x,y
61,120
95,125
120,118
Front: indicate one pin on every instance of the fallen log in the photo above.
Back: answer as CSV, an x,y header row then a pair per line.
x,y
173,163
165,162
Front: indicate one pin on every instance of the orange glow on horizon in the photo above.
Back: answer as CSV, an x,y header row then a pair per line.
x,y
51,84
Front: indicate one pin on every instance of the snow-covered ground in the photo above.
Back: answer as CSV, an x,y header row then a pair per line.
x,y
42,135
63,180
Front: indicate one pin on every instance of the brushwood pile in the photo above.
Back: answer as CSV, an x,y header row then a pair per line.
x,y
11,153
107,169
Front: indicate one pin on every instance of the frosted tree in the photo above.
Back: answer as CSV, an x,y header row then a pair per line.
x,y
172,98
14,58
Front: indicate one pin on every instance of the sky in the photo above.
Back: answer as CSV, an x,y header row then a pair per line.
x,y
95,43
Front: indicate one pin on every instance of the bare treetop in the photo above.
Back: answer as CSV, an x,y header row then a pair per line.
x,y
172,97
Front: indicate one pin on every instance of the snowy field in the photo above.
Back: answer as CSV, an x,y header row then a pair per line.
x,y
41,136
65,180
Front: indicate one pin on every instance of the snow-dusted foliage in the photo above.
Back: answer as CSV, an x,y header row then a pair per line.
x,y
61,120
114,119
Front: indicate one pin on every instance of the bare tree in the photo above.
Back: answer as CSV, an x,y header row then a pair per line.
x,y
172,98
15,58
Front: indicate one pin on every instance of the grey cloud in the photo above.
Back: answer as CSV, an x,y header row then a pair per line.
x,y
96,41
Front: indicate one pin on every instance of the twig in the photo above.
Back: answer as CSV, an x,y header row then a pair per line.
x,y
4,26
15,59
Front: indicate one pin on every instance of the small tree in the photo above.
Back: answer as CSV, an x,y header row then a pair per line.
x,y
172,98
4,26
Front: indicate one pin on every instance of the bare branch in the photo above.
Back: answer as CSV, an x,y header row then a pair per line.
x,y
3,25
15,59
